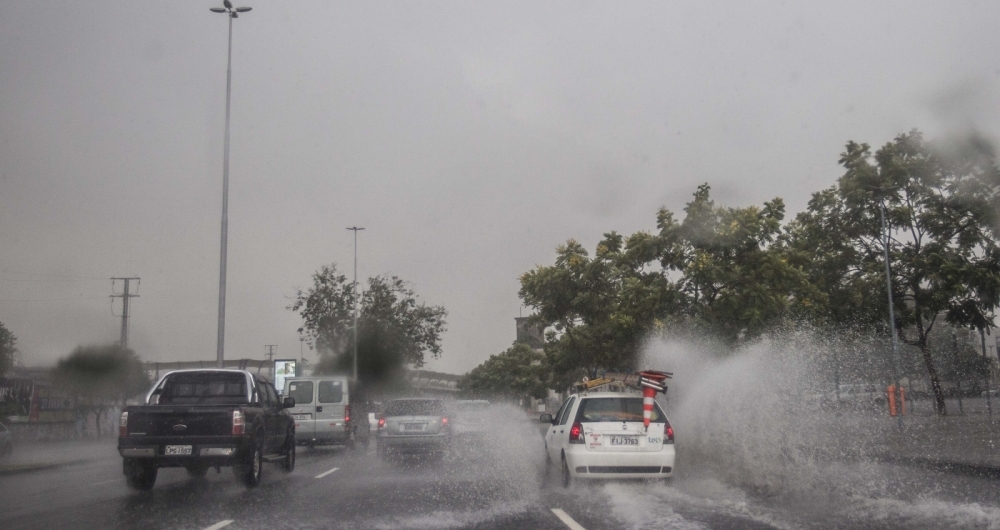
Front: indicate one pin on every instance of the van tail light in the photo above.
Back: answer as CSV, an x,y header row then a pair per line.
x,y
576,434
123,424
668,433
347,413
238,422
444,421
381,423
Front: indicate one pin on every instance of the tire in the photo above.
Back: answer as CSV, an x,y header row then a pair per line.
x,y
288,464
566,477
197,470
139,476
250,473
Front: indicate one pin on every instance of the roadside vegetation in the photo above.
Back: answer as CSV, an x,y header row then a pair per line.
x,y
737,273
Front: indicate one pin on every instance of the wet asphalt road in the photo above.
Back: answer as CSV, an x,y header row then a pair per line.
x,y
494,492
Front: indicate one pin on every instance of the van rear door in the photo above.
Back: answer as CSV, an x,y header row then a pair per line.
x,y
331,397
304,411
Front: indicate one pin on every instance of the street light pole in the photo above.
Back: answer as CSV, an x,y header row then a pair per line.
x,y
896,365
355,229
231,13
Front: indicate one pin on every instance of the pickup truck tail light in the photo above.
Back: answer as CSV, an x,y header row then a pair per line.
x,y
576,434
238,422
123,424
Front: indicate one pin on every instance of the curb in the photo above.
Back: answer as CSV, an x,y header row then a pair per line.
x,y
957,468
18,469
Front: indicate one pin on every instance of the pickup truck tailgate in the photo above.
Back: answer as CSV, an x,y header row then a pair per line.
x,y
180,421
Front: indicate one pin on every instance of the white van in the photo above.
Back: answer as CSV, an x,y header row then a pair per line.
x,y
322,411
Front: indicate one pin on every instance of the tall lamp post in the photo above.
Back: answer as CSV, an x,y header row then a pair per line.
x,y
355,229
232,13
896,365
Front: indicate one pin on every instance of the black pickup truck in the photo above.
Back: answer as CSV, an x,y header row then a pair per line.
x,y
200,419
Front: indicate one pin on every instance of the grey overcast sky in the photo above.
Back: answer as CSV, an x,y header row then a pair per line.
x,y
469,138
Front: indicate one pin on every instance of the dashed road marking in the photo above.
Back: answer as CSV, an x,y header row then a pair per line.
x,y
220,524
107,481
325,473
567,520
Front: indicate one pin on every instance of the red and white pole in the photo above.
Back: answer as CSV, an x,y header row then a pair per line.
x,y
648,397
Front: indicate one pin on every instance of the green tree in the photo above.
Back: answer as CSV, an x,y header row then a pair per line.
x,y
101,377
736,281
721,271
943,250
599,309
395,330
8,349
510,375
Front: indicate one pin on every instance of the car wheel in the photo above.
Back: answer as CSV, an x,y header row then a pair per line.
x,y
197,470
288,464
139,476
566,477
251,472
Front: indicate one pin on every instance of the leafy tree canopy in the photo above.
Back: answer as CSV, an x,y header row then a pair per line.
x,y
8,349
517,372
942,239
102,375
394,329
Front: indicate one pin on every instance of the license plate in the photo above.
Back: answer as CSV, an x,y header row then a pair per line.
x,y
300,416
413,426
178,450
624,440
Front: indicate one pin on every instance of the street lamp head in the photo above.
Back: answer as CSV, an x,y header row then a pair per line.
x,y
227,4
243,9
217,10
235,14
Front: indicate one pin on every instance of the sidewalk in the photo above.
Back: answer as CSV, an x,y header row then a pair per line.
x,y
47,455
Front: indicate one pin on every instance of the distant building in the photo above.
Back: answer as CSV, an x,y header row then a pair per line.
x,y
530,333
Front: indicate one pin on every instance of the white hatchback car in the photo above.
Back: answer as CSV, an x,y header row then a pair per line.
x,y
600,435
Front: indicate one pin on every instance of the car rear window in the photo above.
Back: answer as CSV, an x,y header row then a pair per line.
x,y
414,407
208,388
331,391
615,409
301,392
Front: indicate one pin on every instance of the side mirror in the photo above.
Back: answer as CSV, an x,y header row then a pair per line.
x,y
288,402
546,418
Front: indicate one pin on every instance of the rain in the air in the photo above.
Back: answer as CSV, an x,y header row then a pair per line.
x,y
567,265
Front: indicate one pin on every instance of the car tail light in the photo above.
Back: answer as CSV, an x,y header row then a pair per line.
x,y
668,433
123,424
576,434
444,421
238,422
381,423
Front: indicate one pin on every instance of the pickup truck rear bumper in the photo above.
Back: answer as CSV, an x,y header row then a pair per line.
x,y
208,450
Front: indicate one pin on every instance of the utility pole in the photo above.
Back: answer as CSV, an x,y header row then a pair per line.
x,y
271,350
355,229
125,296
896,365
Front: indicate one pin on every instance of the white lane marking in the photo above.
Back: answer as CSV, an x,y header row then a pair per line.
x,y
220,524
567,520
325,473
107,482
